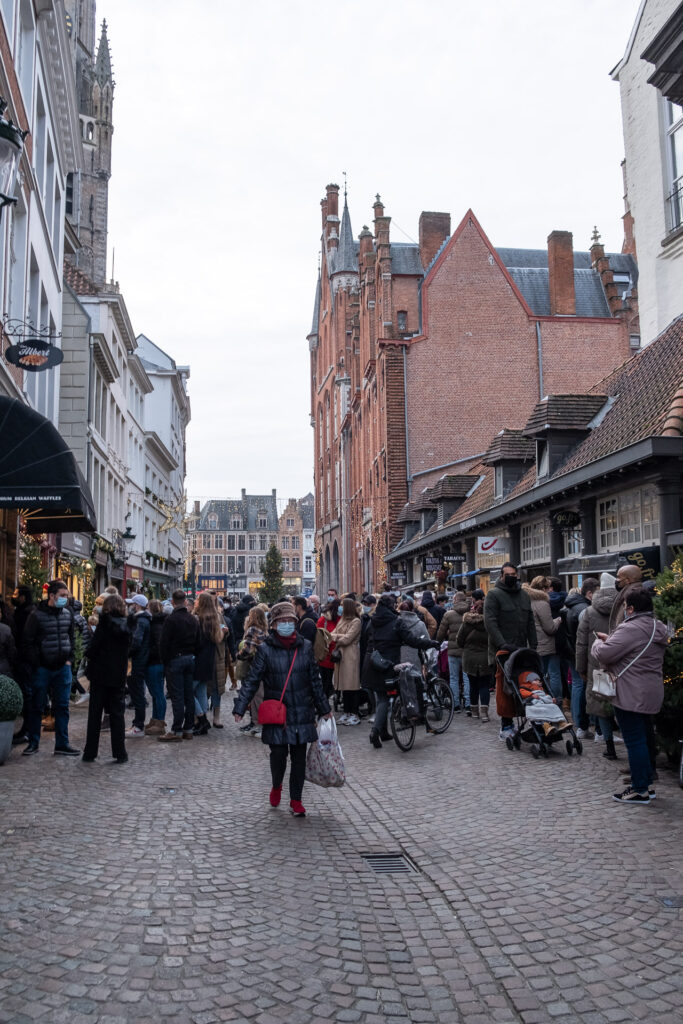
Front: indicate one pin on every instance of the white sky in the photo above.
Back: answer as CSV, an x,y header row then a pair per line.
x,y
230,119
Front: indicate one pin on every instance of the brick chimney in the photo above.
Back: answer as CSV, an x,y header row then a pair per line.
x,y
561,273
365,239
434,228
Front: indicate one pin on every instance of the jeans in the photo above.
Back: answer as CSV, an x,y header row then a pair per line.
x,y
605,727
481,690
154,677
634,732
578,699
381,712
454,665
136,689
201,702
59,681
180,679
111,701
297,771
551,670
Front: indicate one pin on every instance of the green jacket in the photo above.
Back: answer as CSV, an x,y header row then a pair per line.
x,y
509,619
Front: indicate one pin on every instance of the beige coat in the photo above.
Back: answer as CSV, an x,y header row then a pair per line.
x,y
347,671
546,625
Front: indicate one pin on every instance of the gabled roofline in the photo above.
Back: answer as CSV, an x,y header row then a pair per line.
x,y
614,73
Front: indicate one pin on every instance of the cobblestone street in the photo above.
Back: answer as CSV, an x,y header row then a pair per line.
x,y
168,889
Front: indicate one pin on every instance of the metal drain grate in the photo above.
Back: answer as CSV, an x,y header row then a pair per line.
x,y
390,863
674,902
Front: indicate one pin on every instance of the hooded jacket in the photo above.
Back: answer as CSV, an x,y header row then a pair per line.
x,y
508,618
418,631
388,632
108,651
436,611
575,604
48,638
239,616
139,650
546,625
640,686
473,641
451,623
595,619
304,696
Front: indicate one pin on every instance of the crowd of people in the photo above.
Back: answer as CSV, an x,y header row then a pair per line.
x,y
303,652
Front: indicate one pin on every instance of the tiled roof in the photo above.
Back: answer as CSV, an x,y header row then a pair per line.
x,y
306,509
452,486
480,499
405,259
510,444
316,308
78,281
408,514
246,508
425,499
563,412
620,263
534,286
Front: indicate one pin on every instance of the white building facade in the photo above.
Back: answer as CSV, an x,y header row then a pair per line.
x,y
653,170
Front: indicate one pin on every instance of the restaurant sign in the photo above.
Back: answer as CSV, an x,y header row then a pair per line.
x,y
34,355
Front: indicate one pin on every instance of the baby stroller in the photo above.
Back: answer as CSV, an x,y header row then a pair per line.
x,y
539,720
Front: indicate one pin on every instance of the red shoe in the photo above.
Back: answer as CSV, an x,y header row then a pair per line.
x,y
297,809
275,795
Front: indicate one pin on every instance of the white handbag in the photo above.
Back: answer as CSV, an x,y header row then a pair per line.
x,y
605,684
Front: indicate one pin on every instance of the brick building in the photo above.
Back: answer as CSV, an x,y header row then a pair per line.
x,y
291,543
420,352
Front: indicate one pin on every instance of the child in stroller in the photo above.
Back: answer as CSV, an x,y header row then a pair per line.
x,y
539,720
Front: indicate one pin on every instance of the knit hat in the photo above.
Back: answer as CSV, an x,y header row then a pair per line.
x,y
281,610
607,582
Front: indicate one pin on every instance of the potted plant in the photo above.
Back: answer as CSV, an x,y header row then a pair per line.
x,y
11,703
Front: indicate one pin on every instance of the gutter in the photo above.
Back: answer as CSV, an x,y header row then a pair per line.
x,y
405,419
539,349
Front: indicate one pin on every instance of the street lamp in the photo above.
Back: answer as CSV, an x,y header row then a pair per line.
x,y
11,148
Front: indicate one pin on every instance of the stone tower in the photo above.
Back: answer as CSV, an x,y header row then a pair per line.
x,y
88,197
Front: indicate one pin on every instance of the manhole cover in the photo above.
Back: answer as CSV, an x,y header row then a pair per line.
x,y
389,863
674,902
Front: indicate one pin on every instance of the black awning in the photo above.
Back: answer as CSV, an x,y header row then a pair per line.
x,y
38,473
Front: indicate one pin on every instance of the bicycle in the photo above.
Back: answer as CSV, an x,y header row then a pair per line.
x,y
436,701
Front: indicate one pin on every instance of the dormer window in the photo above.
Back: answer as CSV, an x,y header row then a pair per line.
x,y
542,459
213,521
498,482
236,523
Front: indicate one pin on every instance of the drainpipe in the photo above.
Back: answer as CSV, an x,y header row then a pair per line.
x,y
405,419
539,346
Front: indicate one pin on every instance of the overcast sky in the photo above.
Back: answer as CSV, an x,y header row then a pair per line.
x,y
230,119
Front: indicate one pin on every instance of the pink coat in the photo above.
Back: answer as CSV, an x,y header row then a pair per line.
x,y
640,688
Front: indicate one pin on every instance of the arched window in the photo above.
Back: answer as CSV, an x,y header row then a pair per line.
x,y
327,420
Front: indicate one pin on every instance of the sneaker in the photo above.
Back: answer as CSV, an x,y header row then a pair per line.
x,y
256,732
170,737
343,719
32,748
275,796
651,793
617,739
629,796
135,730
246,728
507,732
352,720
297,809
67,751
371,719
598,738
83,699
584,734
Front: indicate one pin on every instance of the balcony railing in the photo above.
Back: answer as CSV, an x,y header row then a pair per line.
x,y
674,204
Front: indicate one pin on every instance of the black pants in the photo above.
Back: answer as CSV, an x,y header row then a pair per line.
x,y
111,701
136,689
351,701
297,771
327,676
180,683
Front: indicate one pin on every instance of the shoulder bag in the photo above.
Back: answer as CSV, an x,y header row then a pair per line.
x,y
274,712
380,663
605,683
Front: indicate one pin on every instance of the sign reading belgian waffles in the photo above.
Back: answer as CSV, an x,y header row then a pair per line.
x,y
34,355
433,563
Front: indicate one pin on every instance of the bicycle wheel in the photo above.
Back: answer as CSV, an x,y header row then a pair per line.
x,y
402,729
438,706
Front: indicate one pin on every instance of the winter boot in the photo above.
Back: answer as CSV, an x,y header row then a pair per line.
x,y
609,752
484,714
155,727
385,734
375,739
475,711
202,726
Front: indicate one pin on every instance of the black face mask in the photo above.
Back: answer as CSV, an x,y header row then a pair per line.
x,y
15,601
509,581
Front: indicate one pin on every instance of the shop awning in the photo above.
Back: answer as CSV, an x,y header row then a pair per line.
x,y
39,476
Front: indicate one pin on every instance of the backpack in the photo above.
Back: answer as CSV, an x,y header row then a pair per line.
x,y
321,644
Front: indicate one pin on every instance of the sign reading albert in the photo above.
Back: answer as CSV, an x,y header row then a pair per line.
x,y
34,355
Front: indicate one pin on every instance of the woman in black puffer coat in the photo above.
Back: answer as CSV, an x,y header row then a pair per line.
x,y
387,633
107,668
285,653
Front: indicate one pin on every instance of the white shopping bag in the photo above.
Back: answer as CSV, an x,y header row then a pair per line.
x,y
325,761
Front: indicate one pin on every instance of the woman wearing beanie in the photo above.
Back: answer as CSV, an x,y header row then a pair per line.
x,y
284,663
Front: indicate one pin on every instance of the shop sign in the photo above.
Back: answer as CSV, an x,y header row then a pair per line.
x,y
34,355
491,545
647,560
76,544
455,556
432,563
566,519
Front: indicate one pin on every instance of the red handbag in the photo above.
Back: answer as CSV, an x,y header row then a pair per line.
x,y
273,712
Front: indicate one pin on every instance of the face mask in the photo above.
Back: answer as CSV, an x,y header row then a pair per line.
x,y
284,628
15,601
367,608
510,581
340,609
61,602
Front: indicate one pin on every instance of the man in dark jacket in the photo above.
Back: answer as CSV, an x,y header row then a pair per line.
x,y
240,615
307,624
179,647
509,623
139,659
576,605
48,646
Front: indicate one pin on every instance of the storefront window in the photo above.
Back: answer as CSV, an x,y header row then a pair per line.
x,y
629,518
573,543
535,539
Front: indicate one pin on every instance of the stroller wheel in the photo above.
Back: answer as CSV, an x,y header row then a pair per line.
x,y
509,744
578,746
535,751
570,747
516,741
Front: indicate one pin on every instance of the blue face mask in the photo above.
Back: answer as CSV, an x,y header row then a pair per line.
x,y
61,602
367,608
340,609
285,628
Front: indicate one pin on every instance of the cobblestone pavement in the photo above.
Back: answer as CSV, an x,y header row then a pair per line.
x,y
168,889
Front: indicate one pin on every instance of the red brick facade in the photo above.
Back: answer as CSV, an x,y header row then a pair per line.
x,y
452,356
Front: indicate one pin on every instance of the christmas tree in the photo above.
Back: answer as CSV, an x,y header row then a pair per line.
x,y
273,584
669,608
32,574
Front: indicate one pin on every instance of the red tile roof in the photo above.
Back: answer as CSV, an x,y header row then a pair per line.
x,y
78,281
